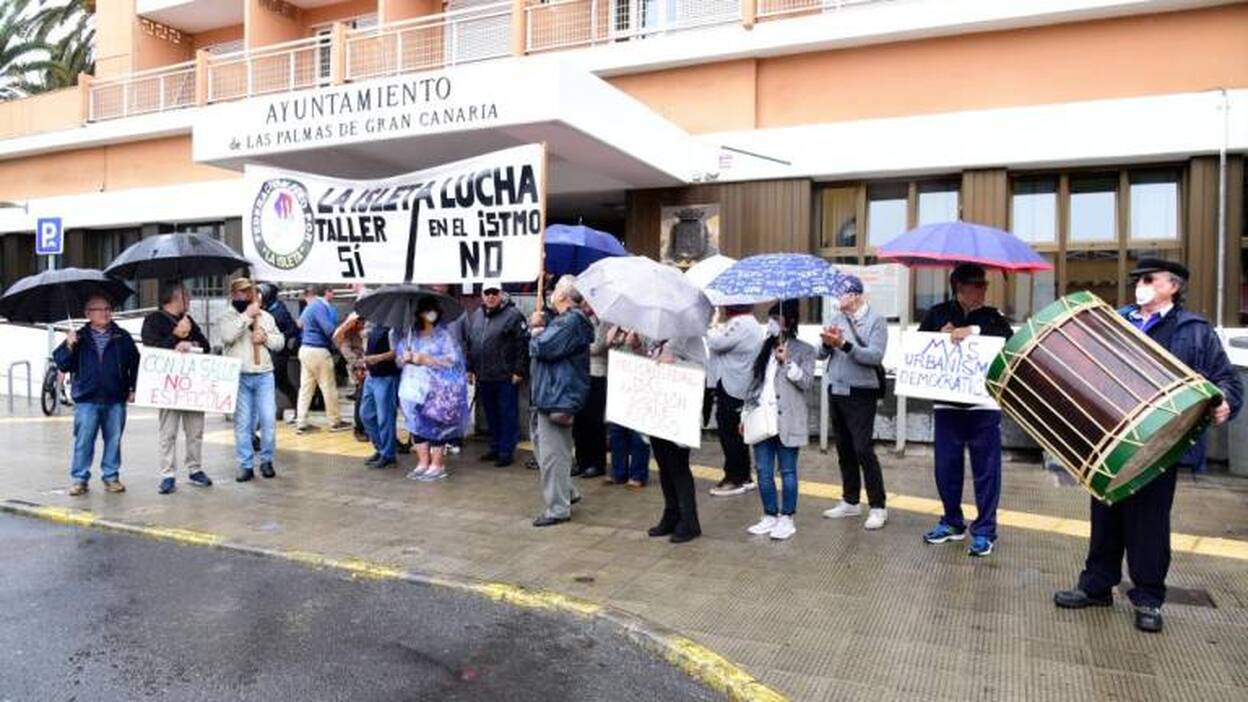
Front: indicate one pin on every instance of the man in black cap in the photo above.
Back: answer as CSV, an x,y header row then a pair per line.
x,y
962,428
1139,526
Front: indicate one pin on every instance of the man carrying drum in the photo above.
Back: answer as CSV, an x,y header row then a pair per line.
x,y
1139,525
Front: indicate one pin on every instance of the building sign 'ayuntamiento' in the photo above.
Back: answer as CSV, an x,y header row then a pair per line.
x,y
471,221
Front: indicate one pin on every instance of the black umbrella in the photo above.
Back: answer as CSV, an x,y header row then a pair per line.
x,y
53,296
394,306
174,257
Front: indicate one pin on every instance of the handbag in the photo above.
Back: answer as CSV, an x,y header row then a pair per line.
x,y
759,425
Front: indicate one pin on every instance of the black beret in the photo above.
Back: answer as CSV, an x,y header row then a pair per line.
x,y
1154,265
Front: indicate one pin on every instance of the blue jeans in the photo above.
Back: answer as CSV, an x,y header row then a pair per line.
x,y
765,456
257,405
630,456
501,402
979,432
379,408
107,419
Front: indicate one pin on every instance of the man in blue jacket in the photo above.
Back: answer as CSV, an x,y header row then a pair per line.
x,y
316,359
105,363
560,352
1139,526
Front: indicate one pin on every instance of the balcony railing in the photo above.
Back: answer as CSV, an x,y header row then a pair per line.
x,y
157,90
434,41
420,44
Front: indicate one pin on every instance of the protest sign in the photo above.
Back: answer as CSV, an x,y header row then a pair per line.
x,y
473,221
186,381
932,366
656,399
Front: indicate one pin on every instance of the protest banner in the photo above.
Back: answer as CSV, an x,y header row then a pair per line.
x,y
933,367
656,399
186,381
473,221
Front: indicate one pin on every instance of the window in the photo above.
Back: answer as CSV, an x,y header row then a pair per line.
x,y
840,218
1094,208
1154,202
1030,292
887,212
1033,209
938,202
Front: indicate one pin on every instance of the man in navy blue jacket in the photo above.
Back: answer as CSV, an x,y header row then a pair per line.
x,y
1139,526
105,363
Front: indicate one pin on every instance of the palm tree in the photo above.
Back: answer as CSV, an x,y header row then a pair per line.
x,y
17,47
45,47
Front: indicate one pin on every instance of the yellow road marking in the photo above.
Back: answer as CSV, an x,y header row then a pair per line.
x,y
699,662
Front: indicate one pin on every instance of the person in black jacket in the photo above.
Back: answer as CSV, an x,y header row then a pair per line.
x,y
497,340
171,327
1139,526
290,331
961,428
105,364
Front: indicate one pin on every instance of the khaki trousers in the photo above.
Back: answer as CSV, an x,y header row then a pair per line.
x,y
193,426
316,369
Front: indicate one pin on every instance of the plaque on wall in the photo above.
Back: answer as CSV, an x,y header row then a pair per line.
x,y
688,233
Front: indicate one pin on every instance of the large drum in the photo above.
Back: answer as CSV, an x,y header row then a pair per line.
x,y
1114,407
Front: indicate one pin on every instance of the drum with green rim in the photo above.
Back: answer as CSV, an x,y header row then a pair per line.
x,y
1111,405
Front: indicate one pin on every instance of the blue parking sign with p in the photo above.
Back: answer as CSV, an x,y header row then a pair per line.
x,y
49,236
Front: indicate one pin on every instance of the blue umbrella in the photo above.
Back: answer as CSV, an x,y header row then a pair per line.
x,y
950,243
573,248
782,276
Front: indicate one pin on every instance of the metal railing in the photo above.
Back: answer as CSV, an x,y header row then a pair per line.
x,y
433,41
292,65
156,90
570,23
780,8
29,383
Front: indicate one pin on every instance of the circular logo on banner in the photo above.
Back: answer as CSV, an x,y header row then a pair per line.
x,y
282,223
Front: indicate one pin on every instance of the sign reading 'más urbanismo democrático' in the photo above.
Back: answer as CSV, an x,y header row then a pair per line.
x,y
932,366
186,381
473,221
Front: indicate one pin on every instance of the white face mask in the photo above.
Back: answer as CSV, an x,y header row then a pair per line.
x,y
1144,294
430,316
773,327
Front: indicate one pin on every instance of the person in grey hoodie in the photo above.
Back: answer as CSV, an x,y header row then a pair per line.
x,y
732,347
854,343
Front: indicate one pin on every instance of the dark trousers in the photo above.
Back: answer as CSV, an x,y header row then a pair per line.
x,y
979,432
680,505
853,420
501,401
281,377
630,455
589,431
736,453
1139,526
708,406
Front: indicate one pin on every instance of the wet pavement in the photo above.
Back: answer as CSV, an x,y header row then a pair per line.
x,y
836,613
91,615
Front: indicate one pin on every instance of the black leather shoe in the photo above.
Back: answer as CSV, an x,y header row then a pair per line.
x,y
244,475
266,469
404,448
531,464
577,470
576,499
660,529
1078,599
1148,619
487,457
372,459
503,461
685,536
593,472
545,521
384,463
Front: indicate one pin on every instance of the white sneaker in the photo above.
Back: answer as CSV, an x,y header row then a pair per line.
x,y
749,485
764,526
784,528
876,519
843,509
727,490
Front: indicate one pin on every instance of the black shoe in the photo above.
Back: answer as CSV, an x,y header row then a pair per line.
x,y
404,448
372,459
244,475
489,456
577,471
384,463
266,469
660,529
545,521
531,464
685,536
1148,619
593,472
1078,599
503,461
576,499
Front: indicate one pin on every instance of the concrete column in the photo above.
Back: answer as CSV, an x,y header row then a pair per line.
x,y
338,54
749,13
518,28
84,96
201,77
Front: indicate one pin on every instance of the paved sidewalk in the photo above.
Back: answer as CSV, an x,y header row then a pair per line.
x,y
835,613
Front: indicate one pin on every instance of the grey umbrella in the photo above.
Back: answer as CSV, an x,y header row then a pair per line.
x,y
394,306
174,257
56,295
648,297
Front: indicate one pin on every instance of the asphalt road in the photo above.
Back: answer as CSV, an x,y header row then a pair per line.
x,y
90,615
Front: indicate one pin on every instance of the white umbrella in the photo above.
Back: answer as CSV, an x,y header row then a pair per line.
x,y
703,272
650,298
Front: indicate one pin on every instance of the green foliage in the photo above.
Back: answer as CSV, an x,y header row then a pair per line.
x,y
44,45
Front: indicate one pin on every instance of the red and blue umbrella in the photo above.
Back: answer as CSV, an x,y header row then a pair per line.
x,y
950,243
570,249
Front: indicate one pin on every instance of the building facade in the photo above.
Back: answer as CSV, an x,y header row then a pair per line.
x,y
1099,130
